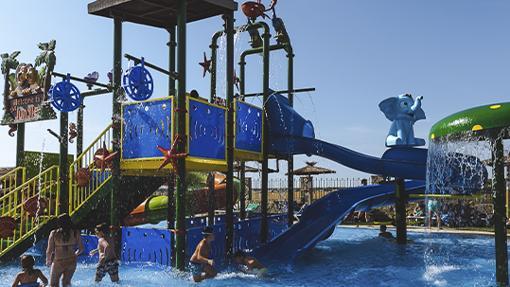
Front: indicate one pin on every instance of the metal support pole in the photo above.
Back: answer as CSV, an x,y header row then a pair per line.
x,y
290,161
229,30
500,232
180,123
171,61
79,127
171,178
211,206
400,210
242,166
20,144
264,226
64,179
116,127
214,47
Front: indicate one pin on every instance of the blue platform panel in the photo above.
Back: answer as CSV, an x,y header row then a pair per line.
x,y
145,126
248,127
206,131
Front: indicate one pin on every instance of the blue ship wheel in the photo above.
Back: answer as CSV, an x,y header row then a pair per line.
x,y
65,96
138,83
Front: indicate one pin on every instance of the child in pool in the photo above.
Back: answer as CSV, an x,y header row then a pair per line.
x,y
108,262
29,276
200,264
249,263
384,233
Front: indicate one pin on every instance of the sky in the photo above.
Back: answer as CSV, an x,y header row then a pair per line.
x,y
356,53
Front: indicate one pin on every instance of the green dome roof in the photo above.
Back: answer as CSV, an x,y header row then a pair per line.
x,y
476,119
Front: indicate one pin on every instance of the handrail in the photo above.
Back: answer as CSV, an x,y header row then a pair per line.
x,y
81,188
11,180
43,191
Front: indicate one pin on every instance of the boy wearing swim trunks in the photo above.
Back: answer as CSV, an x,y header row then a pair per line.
x,y
108,262
200,264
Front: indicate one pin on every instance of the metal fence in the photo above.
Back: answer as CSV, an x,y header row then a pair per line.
x,y
306,189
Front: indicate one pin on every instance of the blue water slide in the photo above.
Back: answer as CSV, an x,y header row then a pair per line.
x,y
323,215
291,134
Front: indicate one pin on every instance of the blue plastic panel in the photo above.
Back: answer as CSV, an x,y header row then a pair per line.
x,y
146,245
206,131
145,126
248,127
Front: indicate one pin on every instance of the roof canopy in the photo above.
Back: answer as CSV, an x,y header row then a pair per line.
x,y
159,13
311,169
478,120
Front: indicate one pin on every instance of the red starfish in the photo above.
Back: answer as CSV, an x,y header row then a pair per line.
x,y
103,158
206,64
170,155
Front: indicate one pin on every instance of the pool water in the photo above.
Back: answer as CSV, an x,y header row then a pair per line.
x,y
351,257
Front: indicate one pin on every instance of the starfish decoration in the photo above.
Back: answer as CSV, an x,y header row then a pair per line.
x,y
206,64
171,155
103,157
236,80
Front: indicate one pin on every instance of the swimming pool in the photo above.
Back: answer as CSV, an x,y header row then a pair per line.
x,y
351,257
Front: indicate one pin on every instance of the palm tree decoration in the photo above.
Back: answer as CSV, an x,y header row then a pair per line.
x,y
47,57
8,62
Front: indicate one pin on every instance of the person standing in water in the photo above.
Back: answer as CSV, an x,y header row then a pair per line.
x,y
108,262
64,247
384,233
29,276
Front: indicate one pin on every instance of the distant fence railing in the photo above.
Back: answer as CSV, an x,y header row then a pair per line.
x,y
306,189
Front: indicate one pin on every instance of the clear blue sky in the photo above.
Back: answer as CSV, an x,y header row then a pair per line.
x,y
456,54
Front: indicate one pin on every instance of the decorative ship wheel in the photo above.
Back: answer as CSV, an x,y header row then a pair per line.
x,y
138,83
65,96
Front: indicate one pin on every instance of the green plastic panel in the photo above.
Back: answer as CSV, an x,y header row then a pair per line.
x,y
478,119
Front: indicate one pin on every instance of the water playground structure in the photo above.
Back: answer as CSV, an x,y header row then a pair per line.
x,y
151,141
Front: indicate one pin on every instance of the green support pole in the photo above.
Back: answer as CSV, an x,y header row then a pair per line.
x,y
171,178
20,144
264,226
500,232
290,161
79,127
400,210
116,127
210,199
64,170
171,61
242,167
214,47
229,30
180,122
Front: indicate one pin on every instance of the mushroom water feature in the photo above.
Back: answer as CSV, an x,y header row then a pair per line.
x,y
457,143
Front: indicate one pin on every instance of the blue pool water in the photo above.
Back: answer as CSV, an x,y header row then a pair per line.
x,y
351,257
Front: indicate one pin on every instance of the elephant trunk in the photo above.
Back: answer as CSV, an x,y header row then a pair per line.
x,y
417,104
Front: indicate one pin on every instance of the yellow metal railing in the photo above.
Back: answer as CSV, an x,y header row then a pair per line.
x,y
85,178
12,179
30,205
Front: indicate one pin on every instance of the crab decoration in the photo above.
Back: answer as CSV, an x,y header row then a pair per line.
x,y
35,206
103,157
82,177
253,9
7,227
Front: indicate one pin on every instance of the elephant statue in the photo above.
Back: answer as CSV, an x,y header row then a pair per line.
x,y
403,111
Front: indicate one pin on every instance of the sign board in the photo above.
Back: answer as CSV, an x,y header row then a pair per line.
x,y
26,100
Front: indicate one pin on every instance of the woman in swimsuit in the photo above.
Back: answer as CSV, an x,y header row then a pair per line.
x,y
64,247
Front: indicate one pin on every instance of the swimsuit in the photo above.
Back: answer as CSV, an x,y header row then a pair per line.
x,y
196,268
31,284
111,267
